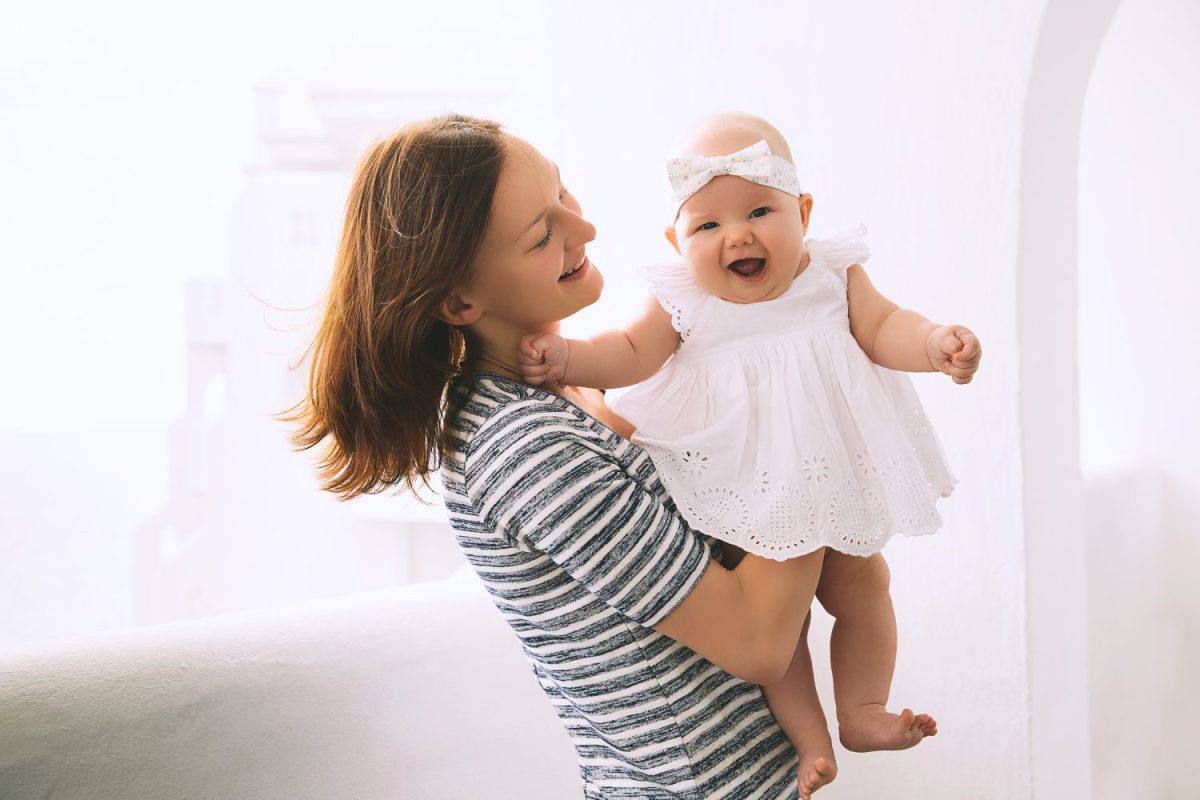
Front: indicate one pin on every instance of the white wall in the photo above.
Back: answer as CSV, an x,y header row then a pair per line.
x,y
1139,391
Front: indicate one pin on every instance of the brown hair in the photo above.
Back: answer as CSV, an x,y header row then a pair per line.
x,y
382,361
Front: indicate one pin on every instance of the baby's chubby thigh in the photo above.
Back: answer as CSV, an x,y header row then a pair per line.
x,y
850,583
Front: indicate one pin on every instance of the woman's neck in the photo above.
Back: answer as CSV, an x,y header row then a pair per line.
x,y
484,362
497,351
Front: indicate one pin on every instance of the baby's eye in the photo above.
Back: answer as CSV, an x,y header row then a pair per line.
x,y
761,211
707,226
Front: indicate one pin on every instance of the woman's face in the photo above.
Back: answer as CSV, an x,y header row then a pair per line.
x,y
531,269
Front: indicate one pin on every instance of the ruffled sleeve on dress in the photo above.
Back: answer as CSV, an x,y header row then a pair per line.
x,y
841,251
678,293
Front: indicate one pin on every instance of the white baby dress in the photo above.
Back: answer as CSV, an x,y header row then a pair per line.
x,y
773,431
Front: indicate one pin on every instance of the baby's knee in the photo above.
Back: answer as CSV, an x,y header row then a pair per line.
x,y
874,578
855,583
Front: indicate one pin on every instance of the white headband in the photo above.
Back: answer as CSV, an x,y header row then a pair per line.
x,y
755,163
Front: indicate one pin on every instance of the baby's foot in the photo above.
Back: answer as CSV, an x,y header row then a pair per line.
x,y
814,772
817,764
872,727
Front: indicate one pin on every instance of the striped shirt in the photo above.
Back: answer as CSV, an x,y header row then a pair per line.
x,y
582,550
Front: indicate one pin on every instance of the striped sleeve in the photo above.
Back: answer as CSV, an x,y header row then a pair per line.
x,y
545,485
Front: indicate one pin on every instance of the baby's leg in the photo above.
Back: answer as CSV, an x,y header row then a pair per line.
x,y
862,655
797,709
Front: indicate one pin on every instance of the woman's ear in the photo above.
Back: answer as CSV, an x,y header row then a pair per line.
x,y
806,204
458,310
670,234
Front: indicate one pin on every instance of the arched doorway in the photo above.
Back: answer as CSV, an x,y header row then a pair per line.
x,y
1070,37
1139,442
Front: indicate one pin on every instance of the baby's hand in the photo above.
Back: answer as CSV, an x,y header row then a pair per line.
x,y
954,350
543,358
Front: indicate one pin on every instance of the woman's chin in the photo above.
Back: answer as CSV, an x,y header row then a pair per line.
x,y
589,289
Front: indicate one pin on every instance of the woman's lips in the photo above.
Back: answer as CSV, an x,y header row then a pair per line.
x,y
749,269
577,274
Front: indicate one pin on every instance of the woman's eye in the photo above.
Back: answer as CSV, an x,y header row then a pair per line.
x,y
545,240
760,212
707,226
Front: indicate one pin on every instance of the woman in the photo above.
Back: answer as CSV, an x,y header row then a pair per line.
x,y
459,239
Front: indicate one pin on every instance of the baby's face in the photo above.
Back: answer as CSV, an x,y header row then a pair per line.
x,y
742,241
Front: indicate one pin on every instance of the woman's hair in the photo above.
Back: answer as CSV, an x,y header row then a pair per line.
x,y
382,361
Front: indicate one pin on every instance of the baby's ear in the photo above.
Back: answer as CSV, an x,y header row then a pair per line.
x,y
669,232
806,204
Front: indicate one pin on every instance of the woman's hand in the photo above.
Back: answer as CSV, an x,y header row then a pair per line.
x,y
543,358
954,350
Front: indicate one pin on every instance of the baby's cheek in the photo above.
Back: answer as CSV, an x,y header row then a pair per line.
x,y
789,233
706,250
789,247
704,263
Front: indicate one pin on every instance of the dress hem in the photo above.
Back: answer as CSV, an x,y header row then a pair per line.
x,y
947,490
834,546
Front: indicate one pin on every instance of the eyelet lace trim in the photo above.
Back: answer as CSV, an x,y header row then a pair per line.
x,y
854,509
839,252
677,292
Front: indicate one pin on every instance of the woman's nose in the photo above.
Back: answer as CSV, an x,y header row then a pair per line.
x,y
580,232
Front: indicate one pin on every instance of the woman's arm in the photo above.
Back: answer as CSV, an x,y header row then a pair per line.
x,y
748,620
608,360
900,339
723,618
655,569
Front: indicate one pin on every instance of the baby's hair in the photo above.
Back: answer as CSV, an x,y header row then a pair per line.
x,y
721,134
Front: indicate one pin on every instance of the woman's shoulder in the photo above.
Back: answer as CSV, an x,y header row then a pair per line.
x,y
495,415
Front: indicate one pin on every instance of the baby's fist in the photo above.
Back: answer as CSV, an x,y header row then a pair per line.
x,y
954,350
543,358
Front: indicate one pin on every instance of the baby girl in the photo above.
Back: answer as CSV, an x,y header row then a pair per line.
x,y
771,395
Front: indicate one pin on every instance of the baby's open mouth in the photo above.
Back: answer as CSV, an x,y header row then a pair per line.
x,y
748,267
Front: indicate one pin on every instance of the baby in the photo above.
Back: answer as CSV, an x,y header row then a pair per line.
x,y
770,396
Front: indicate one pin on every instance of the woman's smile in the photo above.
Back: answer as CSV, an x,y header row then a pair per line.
x,y
577,272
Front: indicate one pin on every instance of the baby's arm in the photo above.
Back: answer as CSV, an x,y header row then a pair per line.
x,y
900,339
608,360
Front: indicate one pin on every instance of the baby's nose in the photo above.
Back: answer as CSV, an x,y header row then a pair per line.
x,y
738,237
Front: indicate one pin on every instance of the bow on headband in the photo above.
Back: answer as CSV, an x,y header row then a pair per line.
x,y
755,163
